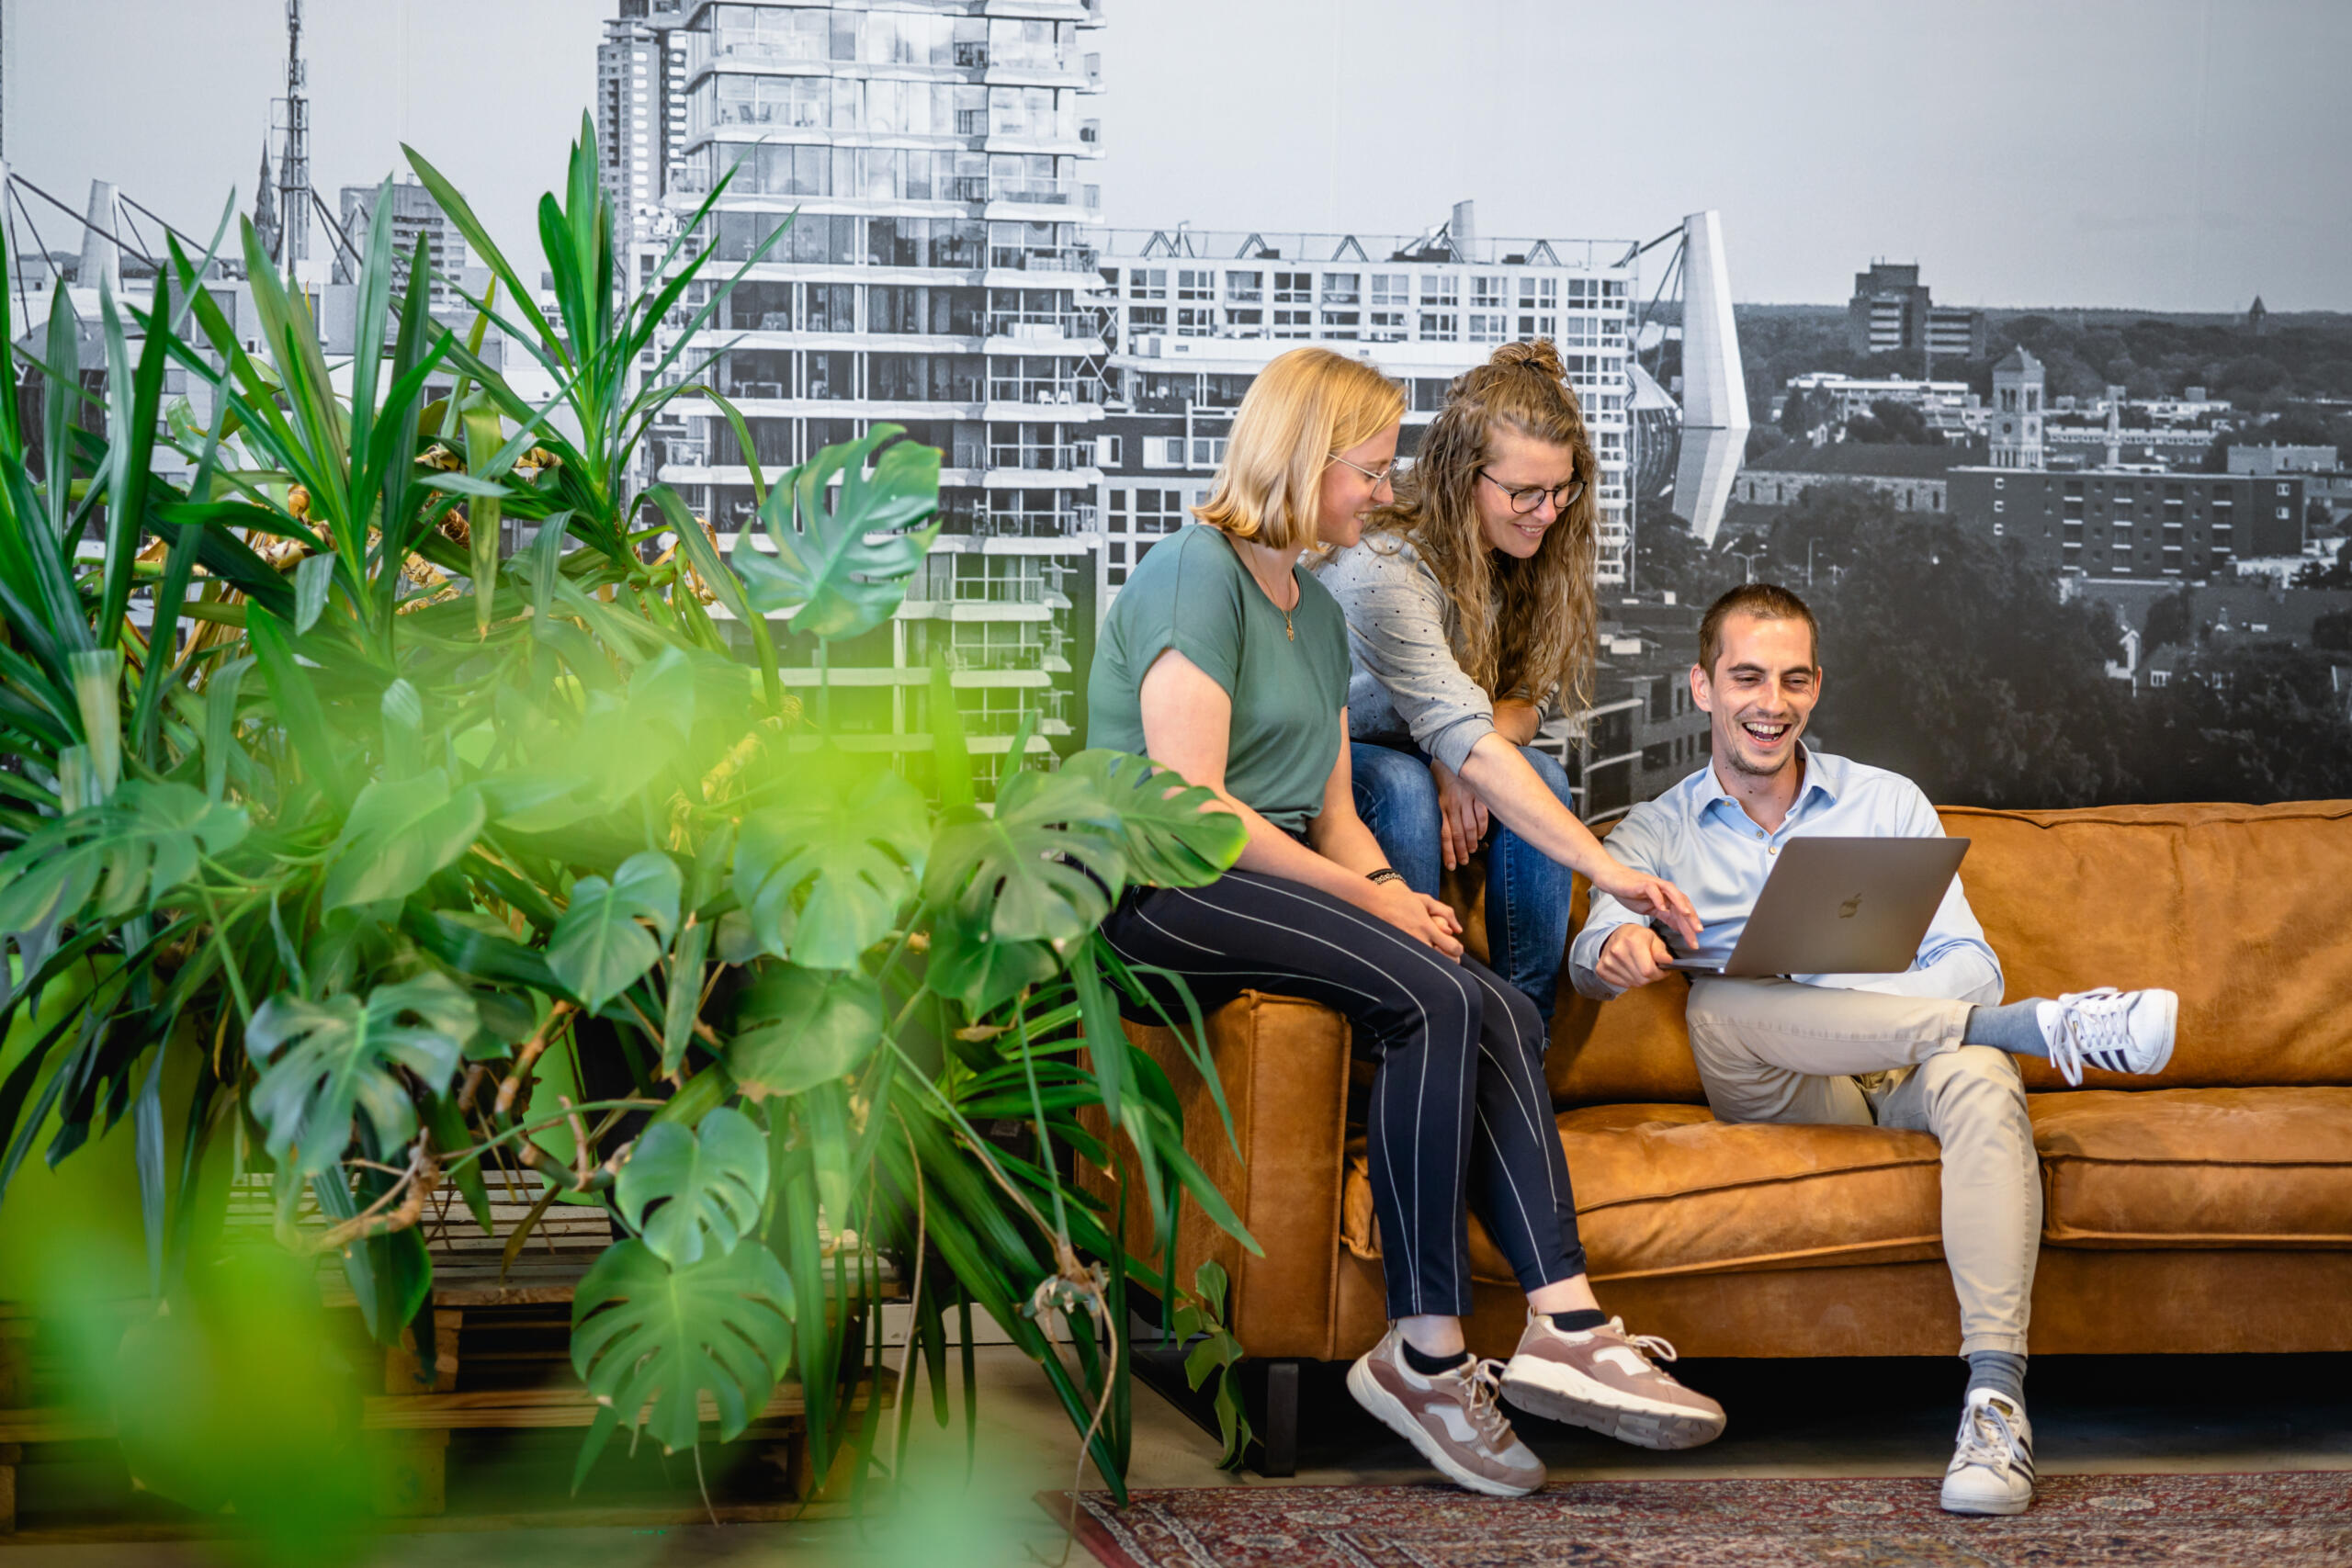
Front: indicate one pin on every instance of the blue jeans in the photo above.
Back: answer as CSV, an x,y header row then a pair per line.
x,y
1527,890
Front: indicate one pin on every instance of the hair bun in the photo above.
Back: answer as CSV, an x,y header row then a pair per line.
x,y
1536,353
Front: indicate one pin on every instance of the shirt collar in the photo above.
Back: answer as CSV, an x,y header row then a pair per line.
x,y
1820,773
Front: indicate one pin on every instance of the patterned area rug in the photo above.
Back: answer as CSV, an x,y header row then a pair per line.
x,y
2092,1521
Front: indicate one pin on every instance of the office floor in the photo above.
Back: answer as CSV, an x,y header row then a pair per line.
x,y
1789,1418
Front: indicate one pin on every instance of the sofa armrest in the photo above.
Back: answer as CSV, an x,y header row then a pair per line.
x,y
1283,1063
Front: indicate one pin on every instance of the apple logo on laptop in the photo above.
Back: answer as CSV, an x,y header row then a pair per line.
x,y
1846,910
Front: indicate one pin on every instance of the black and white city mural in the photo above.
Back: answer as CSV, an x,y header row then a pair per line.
x,y
2017,338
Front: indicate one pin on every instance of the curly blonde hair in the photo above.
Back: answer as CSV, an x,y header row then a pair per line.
x,y
1526,626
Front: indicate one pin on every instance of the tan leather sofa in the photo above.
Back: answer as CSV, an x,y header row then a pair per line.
x,y
2208,1209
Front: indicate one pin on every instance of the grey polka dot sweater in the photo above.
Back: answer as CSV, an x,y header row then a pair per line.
x,y
1405,685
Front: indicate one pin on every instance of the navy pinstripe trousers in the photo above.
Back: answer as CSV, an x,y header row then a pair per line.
x,y
1458,1115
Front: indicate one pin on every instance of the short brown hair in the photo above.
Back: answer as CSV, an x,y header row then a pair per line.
x,y
1766,601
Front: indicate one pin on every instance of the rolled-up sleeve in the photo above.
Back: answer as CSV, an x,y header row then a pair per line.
x,y
1396,634
1633,843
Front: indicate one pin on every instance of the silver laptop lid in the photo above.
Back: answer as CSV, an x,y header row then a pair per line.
x,y
1843,907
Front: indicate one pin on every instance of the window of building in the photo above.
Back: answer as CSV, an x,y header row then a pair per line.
x,y
1208,451
1245,286
1196,285
1489,327
1147,283
1108,450
1440,326
1439,289
1489,293
1342,289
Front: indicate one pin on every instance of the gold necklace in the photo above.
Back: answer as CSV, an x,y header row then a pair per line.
x,y
1289,631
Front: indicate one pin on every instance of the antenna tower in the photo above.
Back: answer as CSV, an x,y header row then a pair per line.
x,y
292,123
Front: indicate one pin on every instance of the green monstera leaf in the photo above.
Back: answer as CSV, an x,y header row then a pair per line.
x,y
325,1062
841,570
710,1183
1170,841
1046,867
597,948
823,877
650,1341
400,832
800,1027
142,842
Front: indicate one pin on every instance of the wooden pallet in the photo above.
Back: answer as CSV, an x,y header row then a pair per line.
x,y
501,1352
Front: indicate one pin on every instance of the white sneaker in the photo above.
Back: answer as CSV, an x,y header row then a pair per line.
x,y
2120,1031
1992,1470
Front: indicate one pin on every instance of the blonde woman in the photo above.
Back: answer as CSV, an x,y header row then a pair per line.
x,y
1470,609
1224,659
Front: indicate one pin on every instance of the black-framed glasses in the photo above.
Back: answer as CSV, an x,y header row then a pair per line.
x,y
1527,498
1378,476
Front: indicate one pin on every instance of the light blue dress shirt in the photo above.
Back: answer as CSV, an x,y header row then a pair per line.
x,y
1697,836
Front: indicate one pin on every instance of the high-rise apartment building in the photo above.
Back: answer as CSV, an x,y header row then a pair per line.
x,y
414,216
1194,316
641,120
1891,312
927,158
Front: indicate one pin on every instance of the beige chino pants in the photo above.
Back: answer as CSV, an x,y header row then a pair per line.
x,y
1778,1051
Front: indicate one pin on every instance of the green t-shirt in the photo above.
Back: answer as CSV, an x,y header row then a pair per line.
x,y
1192,593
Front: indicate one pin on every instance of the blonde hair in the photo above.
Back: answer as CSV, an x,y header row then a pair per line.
x,y
1524,626
1306,407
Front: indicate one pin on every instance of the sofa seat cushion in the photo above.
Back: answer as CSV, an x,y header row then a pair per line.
x,y
1666,1190
2195,1167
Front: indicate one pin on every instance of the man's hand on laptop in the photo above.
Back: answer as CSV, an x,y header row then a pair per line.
x,y
1633,955
1651,895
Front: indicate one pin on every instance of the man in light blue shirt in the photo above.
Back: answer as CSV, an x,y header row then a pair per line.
x,y
1924,1049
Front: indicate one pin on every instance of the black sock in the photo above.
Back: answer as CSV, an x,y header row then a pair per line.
x,y
1430,1366
1578,1321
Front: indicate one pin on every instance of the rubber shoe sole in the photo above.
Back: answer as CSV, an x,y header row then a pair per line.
x,y
1984,1504
1580,1402
2172,1031
1397,1419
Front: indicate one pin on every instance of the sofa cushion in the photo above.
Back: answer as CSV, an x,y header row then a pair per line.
x,y
1665,1190
2195,1167
2234,907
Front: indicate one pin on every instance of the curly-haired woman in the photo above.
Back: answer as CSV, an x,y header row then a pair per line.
x,y
1470,610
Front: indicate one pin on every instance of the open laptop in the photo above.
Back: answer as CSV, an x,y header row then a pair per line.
x,y
1841,906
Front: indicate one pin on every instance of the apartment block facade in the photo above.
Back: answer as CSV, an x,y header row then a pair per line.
x,y
923,163
2110,524
1193,317
413,215
1891,312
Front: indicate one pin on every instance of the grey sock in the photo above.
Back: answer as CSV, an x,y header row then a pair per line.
x,y
2003,1372
2016,1027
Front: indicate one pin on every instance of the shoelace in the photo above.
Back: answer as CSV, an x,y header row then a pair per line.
x,y
2082,1029
1987,1439
1649,1345
1482,1381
